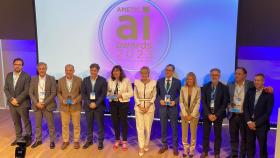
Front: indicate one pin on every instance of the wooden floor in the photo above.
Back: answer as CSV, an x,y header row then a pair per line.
x,y
43,151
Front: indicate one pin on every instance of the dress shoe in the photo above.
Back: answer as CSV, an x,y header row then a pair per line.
x,y
217,155
52,145
146,148
141,152
88,143
76,145
234,156
28,140
64,145
162,149
14,143
175,152
204,155
37,143
100,146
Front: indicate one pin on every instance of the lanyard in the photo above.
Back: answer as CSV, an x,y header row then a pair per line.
x,y
213,93
93,84
116,89
167,82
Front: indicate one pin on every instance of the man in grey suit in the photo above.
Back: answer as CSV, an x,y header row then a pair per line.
x,y
237,91
16,90
42,92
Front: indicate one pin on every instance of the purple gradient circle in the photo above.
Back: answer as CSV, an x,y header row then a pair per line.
x,y
134,33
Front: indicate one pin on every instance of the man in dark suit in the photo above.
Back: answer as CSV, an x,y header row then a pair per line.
x,y
237,91
94,91
42,92
258,106
168,92
16,90
214,101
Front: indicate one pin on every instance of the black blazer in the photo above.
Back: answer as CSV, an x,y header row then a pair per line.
x,y
174,91
100,90
262,110
221,99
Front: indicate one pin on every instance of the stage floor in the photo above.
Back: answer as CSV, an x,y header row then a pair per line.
x,y
7,136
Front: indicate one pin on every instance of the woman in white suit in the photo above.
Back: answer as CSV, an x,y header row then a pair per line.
x,y
119,94
144,96
189,104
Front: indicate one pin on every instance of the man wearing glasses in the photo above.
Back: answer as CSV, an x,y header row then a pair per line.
x,y
16,90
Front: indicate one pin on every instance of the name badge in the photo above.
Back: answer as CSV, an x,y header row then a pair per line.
x,y
42,96
212,104
237,101
235,110
167,99
92,96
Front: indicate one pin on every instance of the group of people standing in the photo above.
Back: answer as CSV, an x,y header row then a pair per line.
x,y
248,106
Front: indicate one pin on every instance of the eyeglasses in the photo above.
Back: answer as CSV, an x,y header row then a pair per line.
x,y
17,64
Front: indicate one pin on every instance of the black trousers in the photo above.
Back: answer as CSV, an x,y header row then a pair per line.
x,y
237,126
207,124
261,135
98,116
119,113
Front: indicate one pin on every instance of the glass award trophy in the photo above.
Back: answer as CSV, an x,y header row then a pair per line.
x,y
69,100
167,100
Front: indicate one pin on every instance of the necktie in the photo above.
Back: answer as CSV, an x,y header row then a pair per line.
x,y
168,85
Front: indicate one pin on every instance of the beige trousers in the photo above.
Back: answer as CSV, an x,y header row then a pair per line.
x,y
65,121
185,129
143,125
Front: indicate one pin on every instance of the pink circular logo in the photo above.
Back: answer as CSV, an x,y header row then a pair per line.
x,y
134,33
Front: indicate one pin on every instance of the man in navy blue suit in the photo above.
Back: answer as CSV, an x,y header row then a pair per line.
x,y
168,91
258,105
94,91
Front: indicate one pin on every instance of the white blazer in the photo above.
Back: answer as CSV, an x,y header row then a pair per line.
x,y
145,95
124,89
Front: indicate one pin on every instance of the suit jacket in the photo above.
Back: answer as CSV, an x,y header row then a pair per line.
x,y
262,110
75,93
231,87
174,91
50,93
221,99
100,90
20,92
193,110
124,89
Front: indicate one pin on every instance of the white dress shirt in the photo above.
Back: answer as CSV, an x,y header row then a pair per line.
x,y
93,81
69,83
238,97
15,78
41,88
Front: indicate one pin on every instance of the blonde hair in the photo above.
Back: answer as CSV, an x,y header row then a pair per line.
x,y
191,74
145,68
